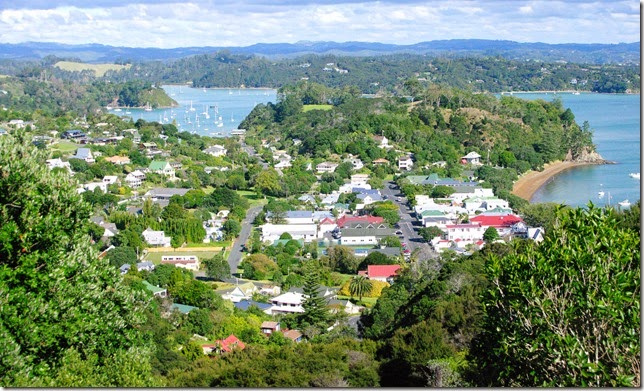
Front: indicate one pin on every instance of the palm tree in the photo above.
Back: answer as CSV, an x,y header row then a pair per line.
x,y
360,286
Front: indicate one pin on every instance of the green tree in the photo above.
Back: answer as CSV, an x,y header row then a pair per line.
x,y
429,233
565,312
56,294
315,313
360,286
217,267
342,259
119,256
490,234
231,228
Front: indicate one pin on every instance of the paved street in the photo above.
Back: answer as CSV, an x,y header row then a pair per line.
x,y
408,223
234,258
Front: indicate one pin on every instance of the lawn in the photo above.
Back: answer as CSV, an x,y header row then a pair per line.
x,y
64,146
253,198
99,69
306,108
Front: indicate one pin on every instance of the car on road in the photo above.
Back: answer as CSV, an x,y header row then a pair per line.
x,y
399,199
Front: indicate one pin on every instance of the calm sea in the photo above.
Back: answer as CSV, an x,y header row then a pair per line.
x,y
615,121
614,118
207,112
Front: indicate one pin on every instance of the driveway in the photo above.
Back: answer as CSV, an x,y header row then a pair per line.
x,y
234,258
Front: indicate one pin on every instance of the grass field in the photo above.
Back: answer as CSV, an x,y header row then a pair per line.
x,y
99,69
306,108
64,146
252,198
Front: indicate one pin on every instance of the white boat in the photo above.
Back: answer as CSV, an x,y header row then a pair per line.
x,y
625,204
148,107
635,175
600,194
576,93
191,108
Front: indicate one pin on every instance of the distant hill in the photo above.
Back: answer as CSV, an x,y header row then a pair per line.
x,y
622,53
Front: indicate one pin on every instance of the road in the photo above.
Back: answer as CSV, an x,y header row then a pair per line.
x,y
234,258
408,223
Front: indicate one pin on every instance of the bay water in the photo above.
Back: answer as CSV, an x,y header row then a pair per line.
x,y
614,119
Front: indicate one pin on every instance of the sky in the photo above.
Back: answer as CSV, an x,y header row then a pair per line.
x,y
172,23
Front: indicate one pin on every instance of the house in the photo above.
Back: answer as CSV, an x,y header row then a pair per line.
x,y
269,327
244,305
110,179
326,225
392,252
293,335
156,291
156,238
345,220
110,230
502,223
384,273
224,345
190,262
216,150
150,149
469,232
382,142
473,204
165,193
326,167
344,305
295,217
84,154
434,218
272,232
405,163
360,180
161,167
102,186
380,161
240,292
73,135
57,163
356,163
471,158
287,303
364,236
182,308
118,160
270,290
322,291
135,179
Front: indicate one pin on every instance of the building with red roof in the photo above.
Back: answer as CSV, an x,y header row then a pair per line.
x,y
224,345
382,272
502,223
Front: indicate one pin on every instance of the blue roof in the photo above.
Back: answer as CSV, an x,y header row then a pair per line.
x,y
301,214
246,304
184,309
82,153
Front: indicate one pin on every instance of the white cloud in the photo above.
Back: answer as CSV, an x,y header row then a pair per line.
x,y
173,23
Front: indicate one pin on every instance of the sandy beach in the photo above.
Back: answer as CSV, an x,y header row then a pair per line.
x,y
531,181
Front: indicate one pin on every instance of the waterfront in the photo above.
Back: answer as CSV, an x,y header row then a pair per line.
x,y
211,112
615,121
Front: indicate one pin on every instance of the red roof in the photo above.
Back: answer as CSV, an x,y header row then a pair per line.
x,y
346,219
466,225
505,221
230,343
327,220
385,271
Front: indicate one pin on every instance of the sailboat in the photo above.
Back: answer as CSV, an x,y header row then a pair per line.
x,y
625,203
231,118
191,108
148,107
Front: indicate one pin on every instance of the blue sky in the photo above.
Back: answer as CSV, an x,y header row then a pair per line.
x,y
168,24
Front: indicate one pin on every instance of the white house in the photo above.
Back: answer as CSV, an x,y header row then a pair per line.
x,y
464,232
463,192
326,167
190,262
156,238
360,180
135,179
306,232
162,167
382,142
57,163
405,163
216,150
110,179
287,303
356,163
471,158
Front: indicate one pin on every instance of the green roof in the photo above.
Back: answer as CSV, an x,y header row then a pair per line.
x,y
432,212
152,288
157,165
184,309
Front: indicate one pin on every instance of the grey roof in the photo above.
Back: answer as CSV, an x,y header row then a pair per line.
x,y
299,214
375,197
167,192
246,304
388,251
82,153
362,190
378,232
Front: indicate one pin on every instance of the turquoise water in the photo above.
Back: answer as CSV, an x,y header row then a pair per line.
x,y
225,108
615,121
